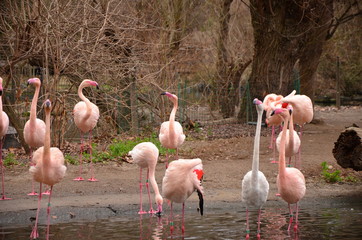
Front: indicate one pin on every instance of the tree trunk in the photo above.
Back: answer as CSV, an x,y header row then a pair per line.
x,y
348,149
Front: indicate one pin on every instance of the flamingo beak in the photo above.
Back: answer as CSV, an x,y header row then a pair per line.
x,y
159,211
201,202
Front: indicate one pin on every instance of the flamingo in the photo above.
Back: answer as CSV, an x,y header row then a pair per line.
x,y
290,181
145,155
86,116
34,129
255,186
48,168
302,112
171,133
292,140
270,102
181,179
4,125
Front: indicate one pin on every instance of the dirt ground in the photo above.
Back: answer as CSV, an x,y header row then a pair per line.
x,y
226,160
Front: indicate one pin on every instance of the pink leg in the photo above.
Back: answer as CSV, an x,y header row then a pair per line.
x,y
48,213
296,217
299,165
166,159
34,234
32,193
183,218
149,194
92,179
291,217
141,210
2,172
258,233
273,145
171,222
247,225
80,159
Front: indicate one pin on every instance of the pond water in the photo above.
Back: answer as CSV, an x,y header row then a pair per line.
x,y
323,223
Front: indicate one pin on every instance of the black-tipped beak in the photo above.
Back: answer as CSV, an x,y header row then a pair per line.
x,y
1,92
272,113
158,214
97,87
290,111
164,93
201,202
47,103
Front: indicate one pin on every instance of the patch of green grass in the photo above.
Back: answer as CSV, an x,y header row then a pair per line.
x,y
10,160
71,159
330,176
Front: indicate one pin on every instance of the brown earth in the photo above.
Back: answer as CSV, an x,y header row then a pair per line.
x,y
226,152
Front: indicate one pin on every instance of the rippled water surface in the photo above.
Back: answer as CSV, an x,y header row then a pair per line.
x,y
331,223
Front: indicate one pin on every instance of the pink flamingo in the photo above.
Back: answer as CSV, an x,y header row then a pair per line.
x,y
86,116
302,112
145,155
181,179
271,102
255,186
171,133
34,129
292,141
4,125
48,168
290,181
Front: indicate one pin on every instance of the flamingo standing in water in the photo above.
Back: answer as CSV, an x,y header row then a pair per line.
x,y
48,168
181,179
145,155
290,181
171,133
86,116
292,141
4,125
34,129
255,186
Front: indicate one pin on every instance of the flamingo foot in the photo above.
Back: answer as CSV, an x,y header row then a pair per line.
x,y
277,194
152,211
47,192
273,161
172,228
296,227
78,179
92,179
33,194
34,234
183,229
247,236
5,198
142,212
258,236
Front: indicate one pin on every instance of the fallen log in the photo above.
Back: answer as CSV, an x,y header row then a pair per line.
x,y
348,149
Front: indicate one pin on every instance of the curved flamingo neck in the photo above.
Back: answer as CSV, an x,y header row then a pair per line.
x,y
86,100
1,115
152,178
46,150
282,148
291,134
34,103
255,166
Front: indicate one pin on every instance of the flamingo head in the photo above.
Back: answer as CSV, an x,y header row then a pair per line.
x,y
282,112
159,202
259,104
34,81
47,105
88,83
173,98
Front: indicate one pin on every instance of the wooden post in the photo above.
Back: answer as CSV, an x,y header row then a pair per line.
x,y
338,93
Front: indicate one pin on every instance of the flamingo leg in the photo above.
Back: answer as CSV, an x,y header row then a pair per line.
x,y
272,138
259,222
32,193
171,222
247,224
299,165
141,210
92,179
149,194
296,217
273,144
291,217
34,233
80,159
2,171
183,218
48,213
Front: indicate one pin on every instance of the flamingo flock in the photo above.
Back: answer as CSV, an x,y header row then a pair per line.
x,y
182,177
